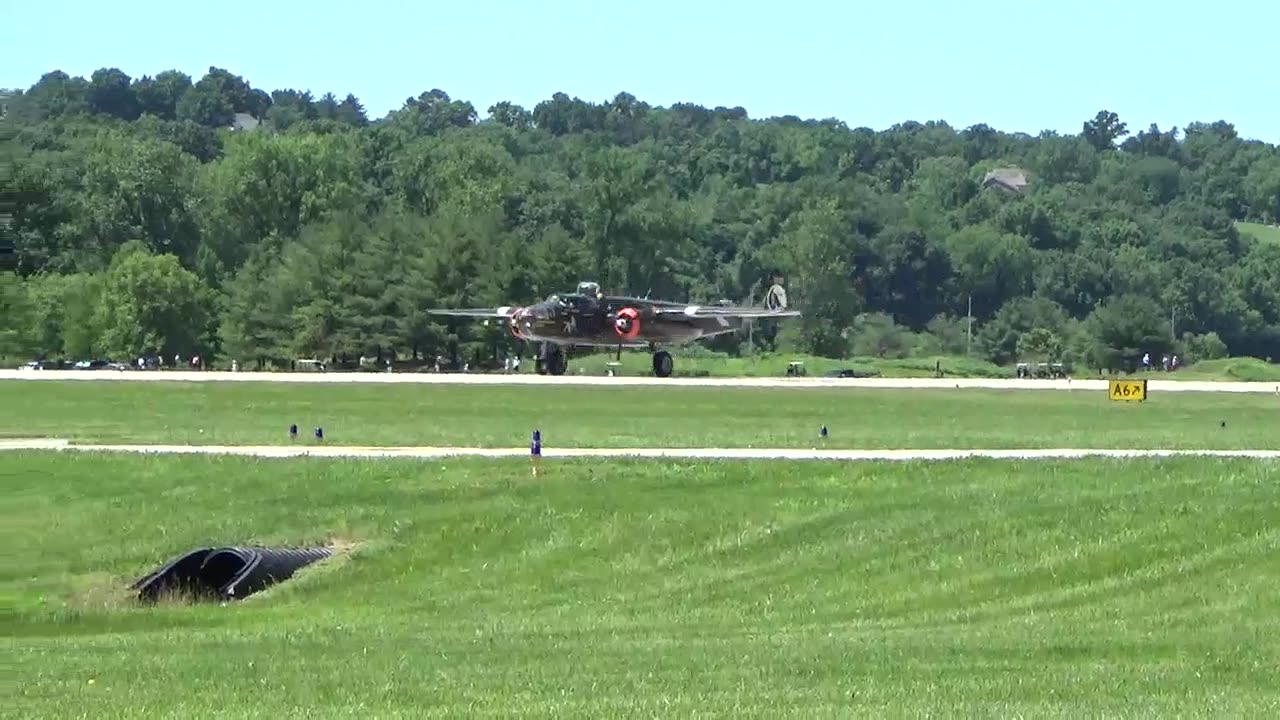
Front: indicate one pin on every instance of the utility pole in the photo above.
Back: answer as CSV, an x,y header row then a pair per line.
x,y
968,343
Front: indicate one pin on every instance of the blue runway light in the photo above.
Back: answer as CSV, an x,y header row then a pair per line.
x,y
535,451
822,431
319,433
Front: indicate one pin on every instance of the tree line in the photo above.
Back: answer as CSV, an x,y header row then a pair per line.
x,y
167,215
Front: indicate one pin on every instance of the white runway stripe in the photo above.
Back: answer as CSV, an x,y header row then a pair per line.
x,y
312,450
1154,386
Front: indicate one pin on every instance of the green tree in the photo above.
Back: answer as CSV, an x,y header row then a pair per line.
x,y
150,304
1039,345
1104,130
138,188
254,324
49,306
159,96
819,247
266,189
111,93
324,230
16,317
1262,189
1125,328
82,318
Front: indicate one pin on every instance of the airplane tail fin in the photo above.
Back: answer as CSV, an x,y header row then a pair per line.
x,y
775,298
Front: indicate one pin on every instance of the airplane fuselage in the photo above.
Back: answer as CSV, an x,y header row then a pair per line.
x,y
585,321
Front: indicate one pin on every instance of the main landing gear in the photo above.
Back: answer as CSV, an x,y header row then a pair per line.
x,y
551,361
662,363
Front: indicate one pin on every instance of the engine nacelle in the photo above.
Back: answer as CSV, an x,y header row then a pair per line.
x,y
627,324
514,323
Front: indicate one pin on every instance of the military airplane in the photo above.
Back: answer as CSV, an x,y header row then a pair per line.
x,y
589,318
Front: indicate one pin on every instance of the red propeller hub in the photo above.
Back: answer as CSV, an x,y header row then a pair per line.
x,y
627,324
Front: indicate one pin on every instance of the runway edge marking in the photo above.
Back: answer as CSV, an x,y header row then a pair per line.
x,y
286,451
1085,385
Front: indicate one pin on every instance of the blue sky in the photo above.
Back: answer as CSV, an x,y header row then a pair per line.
x,y
1018,66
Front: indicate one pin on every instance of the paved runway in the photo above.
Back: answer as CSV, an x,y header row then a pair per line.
x,y
1154,386
335,451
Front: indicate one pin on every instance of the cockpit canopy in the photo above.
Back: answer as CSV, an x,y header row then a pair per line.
x,y
585,298
586,289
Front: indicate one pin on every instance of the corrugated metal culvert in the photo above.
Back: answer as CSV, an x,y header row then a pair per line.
x,y
226,573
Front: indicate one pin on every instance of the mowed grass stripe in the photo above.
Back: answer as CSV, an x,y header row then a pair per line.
x,y
504,416
744,588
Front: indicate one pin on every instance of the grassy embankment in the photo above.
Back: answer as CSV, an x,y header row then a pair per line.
x,y
750,589
1226,369
1265,233
504,416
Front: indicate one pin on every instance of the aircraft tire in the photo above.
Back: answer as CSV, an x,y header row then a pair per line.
x,y
556,362
663,364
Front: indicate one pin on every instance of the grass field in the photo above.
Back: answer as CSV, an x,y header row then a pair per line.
x,y
743,589
504,416
1265,233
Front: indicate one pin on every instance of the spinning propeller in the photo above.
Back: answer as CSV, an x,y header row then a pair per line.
x,y
627,323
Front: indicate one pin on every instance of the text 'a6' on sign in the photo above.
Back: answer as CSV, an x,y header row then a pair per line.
x,y
1127,390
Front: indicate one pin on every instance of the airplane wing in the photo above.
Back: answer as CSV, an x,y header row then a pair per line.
x,y
775,305
725,311
505,311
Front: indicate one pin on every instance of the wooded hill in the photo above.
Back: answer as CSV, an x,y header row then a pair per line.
x,y
159,214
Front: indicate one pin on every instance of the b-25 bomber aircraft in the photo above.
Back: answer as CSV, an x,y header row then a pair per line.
x,y
589,318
